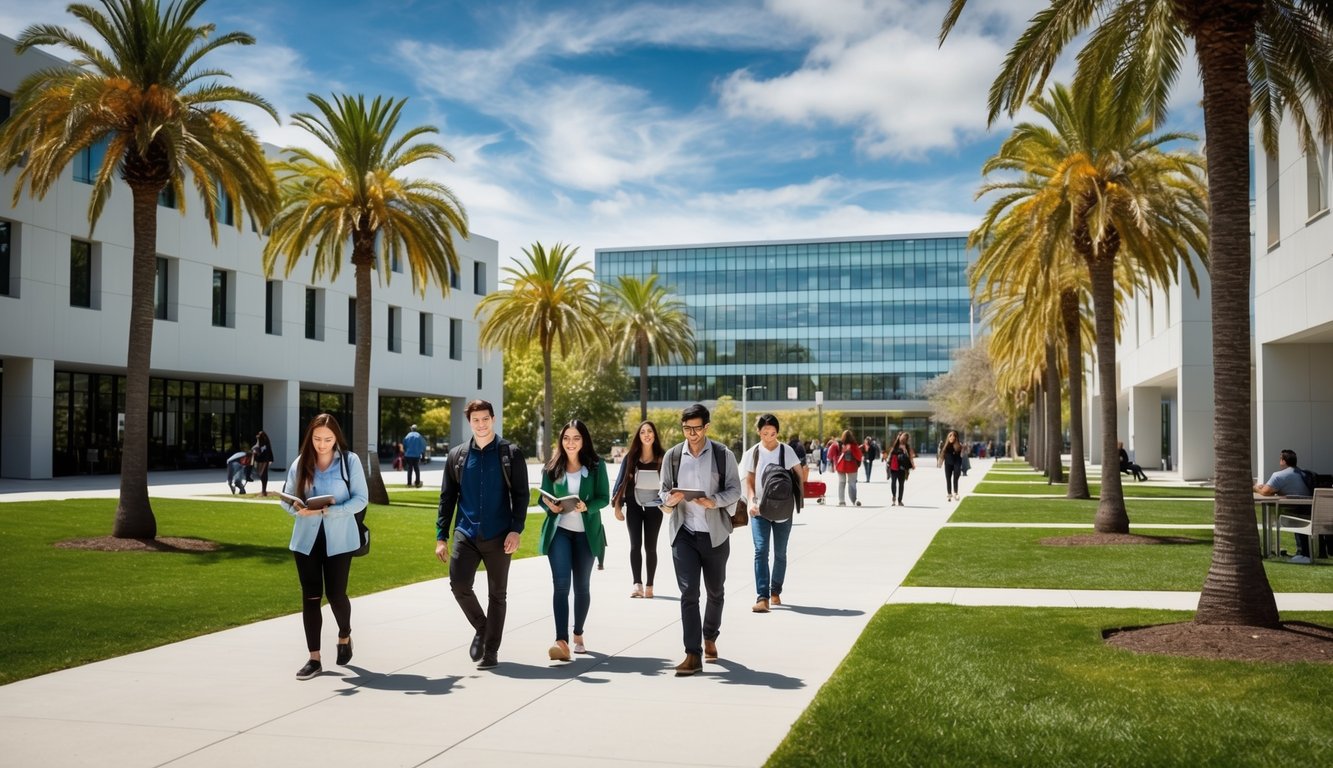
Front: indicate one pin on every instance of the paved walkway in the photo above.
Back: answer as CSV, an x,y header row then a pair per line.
x,y
411,696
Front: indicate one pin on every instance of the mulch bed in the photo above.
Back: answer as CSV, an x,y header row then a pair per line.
x,y
160,544
1294,641
1103,539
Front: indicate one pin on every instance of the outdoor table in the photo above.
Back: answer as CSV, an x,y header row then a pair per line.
x,y
1271,507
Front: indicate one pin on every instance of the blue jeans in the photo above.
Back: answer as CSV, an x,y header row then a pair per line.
x,y
764,531
571,562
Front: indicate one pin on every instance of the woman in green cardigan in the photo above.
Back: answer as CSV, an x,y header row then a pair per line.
x,y
572,535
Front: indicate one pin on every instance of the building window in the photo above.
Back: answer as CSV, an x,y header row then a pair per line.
x,y
6,237
479,278
223,285
455,339
351,320
1274,219
167,197
425,333
161,284
314,314
395,263
454,280
395,329
273,307
80,274
89,160
478,378
1315,184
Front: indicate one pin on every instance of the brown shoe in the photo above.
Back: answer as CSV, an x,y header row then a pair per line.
x,y
775,600
710,650
689,666
559,651
761,606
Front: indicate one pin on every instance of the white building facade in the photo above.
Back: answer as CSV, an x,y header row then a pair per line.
x,y
234,351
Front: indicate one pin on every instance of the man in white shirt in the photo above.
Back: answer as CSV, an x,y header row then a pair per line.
x,y
773,526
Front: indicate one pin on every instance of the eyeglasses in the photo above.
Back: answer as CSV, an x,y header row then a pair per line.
x,y
693,430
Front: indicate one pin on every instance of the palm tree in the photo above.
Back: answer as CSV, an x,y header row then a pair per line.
x,y
1261,57
1108,190
647,325
139,89
550,301
357,196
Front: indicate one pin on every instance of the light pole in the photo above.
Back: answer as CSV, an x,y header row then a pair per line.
x,y
745,427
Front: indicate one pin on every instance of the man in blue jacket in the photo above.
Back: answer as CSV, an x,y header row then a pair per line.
x,y
486,482
414,447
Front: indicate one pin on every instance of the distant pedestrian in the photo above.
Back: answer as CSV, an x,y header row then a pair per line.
x,y
952,454
899,462
848,465
261,456
236,466
414,447
869,452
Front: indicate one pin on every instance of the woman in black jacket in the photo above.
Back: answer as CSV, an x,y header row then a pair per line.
x,y
953,464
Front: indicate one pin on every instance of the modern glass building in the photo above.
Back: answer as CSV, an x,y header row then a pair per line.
x,y
867,321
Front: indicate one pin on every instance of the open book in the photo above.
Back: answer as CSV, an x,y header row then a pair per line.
x,y
690,493
565,503
314,502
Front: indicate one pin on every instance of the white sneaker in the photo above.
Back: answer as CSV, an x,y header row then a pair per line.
x,y
1300,560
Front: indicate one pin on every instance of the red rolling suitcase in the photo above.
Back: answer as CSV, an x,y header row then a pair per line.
x,y
814,489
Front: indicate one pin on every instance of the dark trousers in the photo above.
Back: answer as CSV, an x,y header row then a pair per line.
x,y
413,465
897,481
644,525
696,561
467,555
866,466
322,575
951,472
571,560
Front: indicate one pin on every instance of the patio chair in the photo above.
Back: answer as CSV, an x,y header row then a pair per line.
x,y
1317,527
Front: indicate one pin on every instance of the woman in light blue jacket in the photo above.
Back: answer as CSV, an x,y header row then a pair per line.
x,y
323,539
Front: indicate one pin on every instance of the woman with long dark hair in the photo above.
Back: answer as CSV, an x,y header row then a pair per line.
x,y
900,461
572,538
261,456
847,465
323,539
952,453
643,462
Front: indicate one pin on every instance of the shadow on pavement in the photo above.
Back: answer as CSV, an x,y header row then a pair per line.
x,y
815,610
577,668
739,674
409,684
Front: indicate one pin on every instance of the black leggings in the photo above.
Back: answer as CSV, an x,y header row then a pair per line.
x,y
951,473
644,525
897,480
322,575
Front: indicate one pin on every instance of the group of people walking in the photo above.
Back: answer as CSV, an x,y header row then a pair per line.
x,y
697,488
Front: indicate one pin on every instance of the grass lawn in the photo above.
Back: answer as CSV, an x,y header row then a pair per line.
x,y
1039,487
1013,557
983,509
939,685
67,607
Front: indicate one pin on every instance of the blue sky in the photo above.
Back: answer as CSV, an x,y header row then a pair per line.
x,y
606,124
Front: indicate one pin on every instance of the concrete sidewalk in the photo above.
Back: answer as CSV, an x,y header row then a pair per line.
x,y
412,697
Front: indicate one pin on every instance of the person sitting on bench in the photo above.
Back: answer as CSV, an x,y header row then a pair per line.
x,y
1129,467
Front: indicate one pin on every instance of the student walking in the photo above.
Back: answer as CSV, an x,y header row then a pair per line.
x,y
414,447
772,467
847,465
869,452
700,529
324,538
572,539
952,453
634,500
900,461
261,456
486,484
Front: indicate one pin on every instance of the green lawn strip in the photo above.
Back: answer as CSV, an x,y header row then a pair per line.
x,y
66,607
1014,557
991,509
1134,490
940,685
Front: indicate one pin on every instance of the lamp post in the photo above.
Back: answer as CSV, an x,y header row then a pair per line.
x,y
745,426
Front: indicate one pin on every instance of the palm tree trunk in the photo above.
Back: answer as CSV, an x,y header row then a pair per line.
x,y
1112,517
134,513
1078,470
1236,589
363,255
1034,428
1055,470
643,378
548,402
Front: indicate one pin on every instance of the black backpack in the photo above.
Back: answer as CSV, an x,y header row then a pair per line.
x,y
719,463
779,484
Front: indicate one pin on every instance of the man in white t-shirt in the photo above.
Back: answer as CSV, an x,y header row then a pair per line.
x,y
775,527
